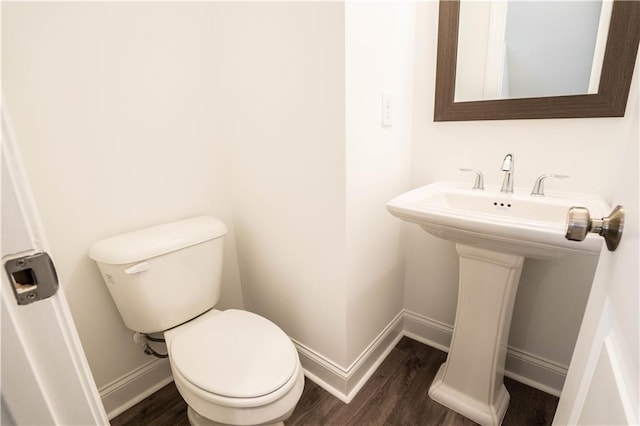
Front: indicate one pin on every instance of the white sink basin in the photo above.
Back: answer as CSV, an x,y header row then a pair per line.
x,y
518,223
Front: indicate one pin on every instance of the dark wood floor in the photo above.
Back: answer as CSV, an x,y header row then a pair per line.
x,y
395,395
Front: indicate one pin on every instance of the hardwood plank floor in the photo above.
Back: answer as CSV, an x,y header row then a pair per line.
x,y
396,394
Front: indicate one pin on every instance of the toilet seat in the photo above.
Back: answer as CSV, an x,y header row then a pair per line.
x,y
233,358
297,380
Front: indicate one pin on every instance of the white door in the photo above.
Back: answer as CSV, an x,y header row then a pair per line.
x,y
45,376
602,383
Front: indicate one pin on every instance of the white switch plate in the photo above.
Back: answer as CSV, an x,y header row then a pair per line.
x,y
386,110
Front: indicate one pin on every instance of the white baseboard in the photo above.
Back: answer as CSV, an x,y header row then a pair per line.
x,y
522,366
344,383
428,331
126,391
535,371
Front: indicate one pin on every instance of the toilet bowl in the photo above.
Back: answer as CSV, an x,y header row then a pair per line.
x,y
231,367
235,367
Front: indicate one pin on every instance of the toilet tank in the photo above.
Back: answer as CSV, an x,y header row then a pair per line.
x,y
163,276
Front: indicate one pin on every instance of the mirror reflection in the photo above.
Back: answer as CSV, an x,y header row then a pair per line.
x,y
524,49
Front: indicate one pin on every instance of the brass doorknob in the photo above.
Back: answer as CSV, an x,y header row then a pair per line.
x,y
580,223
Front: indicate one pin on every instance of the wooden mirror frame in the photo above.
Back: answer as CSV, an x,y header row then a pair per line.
x,y
610,101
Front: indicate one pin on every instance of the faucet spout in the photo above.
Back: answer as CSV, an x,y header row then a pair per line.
x,y
507,168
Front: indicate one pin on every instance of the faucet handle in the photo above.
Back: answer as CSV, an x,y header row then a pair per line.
x,y
538,187
479,182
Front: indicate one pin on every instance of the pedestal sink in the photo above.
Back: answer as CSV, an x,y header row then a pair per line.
x,y
493,232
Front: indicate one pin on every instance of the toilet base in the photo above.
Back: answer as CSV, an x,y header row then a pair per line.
x,y
196,419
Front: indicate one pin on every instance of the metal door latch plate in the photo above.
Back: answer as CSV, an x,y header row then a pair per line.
x,y
32,277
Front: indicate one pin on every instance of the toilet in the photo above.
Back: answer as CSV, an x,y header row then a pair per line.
x,y
231,367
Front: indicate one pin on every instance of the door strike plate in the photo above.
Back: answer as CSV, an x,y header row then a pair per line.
x,y
32,277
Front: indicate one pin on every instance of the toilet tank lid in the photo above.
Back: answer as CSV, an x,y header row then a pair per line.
x,y
156,240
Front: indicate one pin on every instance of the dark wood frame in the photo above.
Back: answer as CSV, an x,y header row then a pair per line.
x,y
610,101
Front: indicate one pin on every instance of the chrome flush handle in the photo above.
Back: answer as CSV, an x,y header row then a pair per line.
x,y
479,182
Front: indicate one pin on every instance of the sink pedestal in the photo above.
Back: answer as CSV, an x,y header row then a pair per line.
x,y
470,382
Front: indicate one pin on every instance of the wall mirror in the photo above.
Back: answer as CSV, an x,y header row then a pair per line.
x,y
500,60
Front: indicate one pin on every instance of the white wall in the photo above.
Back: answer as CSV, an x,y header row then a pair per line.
x,y
284,95
115,109
312,168
379,39
552,294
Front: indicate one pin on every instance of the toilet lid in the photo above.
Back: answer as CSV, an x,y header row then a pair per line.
x,y
235,354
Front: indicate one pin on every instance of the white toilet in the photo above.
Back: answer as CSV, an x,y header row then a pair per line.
x,y
231,367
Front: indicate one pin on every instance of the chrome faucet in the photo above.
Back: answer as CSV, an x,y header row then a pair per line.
x,y
507,168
